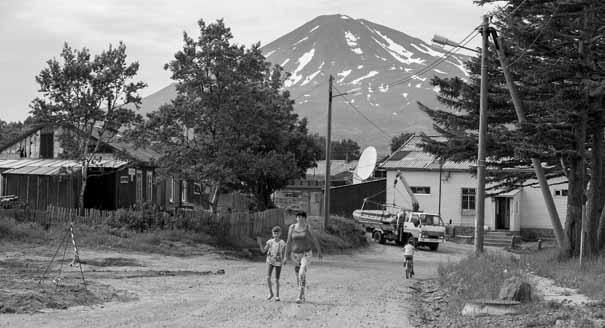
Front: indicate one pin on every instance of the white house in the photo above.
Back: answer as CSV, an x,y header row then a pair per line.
x,y
448,188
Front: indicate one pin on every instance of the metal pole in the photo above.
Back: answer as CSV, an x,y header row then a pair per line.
x,y
480,195
328,144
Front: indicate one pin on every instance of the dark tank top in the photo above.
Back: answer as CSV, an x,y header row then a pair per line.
x,y
301,240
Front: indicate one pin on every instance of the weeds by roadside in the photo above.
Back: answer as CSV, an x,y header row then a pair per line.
x,y
567,272
482,277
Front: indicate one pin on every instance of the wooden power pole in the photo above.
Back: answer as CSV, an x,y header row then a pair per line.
x,y
480,193
328,144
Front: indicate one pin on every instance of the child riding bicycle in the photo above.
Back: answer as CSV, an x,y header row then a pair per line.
x,y
408,254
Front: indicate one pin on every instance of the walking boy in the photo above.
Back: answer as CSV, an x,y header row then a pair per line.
x,y
275,249
408,254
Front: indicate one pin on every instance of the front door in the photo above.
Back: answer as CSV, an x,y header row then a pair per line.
x,y
502,213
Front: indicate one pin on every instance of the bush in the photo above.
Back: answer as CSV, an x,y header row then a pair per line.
x,y
477,277
341,234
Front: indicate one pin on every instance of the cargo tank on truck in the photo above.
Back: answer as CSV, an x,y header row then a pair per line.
x,y
398,224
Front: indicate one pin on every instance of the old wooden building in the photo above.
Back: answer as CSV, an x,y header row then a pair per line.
x,y
33,167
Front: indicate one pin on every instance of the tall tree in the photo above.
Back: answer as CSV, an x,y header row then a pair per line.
x,y
344,149
399,140
9,131
231,125
549,43
86,97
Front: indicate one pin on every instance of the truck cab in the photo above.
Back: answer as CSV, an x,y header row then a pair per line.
x,y
427,229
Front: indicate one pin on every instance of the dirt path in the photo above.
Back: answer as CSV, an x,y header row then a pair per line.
x,y
361,290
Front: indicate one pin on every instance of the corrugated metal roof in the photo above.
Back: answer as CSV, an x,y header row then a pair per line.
x,y
411,156
52,166
336,167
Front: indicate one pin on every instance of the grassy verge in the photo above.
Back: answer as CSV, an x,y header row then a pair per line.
x,y
168,242
567,272
478,277
342,234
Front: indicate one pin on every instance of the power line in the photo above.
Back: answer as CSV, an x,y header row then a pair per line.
x,y
537,37
434,64
362,115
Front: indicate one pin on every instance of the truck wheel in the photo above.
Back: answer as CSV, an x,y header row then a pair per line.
x,y
378,237
433,246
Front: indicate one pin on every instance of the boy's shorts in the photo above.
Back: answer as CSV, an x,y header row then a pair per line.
x,y
277,270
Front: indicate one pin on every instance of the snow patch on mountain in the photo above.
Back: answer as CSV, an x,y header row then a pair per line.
x,y
428,50
367,76
439,71
313,75
301,40
270,53
352,42
360,67
383,87
313,29
398,51
344,75
405,95
416,77
285,62
302,62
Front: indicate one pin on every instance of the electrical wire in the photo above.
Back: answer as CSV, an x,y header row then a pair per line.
x,y
389,137
537,37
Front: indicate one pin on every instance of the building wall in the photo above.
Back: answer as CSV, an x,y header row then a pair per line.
x,y
532,212
29,147
451,193
535,214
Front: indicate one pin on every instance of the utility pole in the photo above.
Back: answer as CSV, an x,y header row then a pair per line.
x,y
480,193
328,144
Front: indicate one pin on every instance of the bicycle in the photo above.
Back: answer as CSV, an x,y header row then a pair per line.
x,y
408,264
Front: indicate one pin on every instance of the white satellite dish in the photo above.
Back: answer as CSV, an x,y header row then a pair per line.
x,y
365,165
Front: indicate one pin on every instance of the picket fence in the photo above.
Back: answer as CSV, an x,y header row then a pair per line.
x,y
233,225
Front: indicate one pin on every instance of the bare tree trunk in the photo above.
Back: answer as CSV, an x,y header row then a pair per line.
x,y
576,196
595,199
83,187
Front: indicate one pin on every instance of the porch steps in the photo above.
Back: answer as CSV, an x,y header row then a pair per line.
x,y
497,238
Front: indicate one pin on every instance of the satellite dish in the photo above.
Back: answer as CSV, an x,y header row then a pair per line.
x,y
365,165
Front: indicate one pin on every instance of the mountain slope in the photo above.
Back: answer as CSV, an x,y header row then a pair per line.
x,y
376,62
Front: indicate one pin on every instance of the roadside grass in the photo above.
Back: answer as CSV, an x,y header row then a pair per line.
x,y
478,277
482,277
566,272
101,236
342,234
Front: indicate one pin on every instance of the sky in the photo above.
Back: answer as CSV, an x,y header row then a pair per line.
x,y
34,31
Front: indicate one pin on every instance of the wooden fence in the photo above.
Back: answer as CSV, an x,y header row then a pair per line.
x,y
232,225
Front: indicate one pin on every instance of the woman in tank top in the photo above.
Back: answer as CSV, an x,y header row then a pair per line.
x,y
299,245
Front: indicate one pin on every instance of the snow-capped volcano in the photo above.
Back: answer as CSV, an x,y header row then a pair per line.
x,y
384,71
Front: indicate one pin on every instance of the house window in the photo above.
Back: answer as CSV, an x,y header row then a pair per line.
x,y
171,191
561,192
421,190
468,201
139,191
150,186
197,188
184,192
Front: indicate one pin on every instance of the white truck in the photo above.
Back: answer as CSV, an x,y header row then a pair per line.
x,y
393,223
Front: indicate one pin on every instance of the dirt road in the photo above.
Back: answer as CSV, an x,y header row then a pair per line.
x,y
361,290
